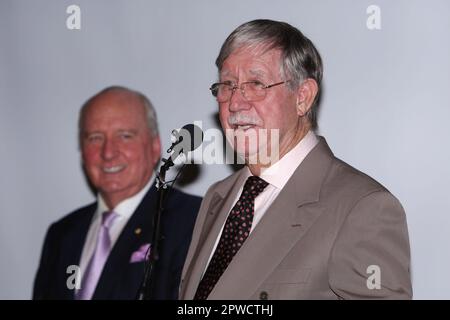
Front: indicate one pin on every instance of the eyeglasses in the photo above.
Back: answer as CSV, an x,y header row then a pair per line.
x,y
251,90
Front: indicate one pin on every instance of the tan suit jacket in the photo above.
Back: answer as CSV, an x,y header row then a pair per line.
x,y
328,225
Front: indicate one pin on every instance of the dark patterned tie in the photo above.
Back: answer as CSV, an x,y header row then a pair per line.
x,y
235,232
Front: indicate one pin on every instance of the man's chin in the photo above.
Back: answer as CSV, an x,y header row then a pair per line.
x,y
112,187
256,155
248,154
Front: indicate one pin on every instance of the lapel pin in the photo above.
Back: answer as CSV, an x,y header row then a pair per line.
x,y
137,231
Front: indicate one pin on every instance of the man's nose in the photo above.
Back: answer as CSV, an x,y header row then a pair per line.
x,y
237,101
109,150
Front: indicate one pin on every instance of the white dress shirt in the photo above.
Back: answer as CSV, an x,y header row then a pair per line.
x,y
277,175
124,210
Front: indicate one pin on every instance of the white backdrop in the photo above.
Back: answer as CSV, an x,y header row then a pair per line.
x,y
385,106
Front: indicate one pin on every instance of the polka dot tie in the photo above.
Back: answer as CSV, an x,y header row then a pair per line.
x,y
235,232
98,259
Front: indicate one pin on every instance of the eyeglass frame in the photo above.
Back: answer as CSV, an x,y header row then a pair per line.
x,y
235,86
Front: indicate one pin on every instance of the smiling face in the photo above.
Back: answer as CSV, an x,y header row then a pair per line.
x,y
276,111
118,150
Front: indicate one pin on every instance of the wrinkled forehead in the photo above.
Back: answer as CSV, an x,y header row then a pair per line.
x,y
114,106
258,60
125,102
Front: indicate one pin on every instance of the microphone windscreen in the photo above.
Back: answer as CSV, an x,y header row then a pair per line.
x,y
191,137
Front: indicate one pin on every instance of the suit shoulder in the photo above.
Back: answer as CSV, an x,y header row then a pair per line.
x,y
186,198
180,214
347,186
181,202
75,216
345,179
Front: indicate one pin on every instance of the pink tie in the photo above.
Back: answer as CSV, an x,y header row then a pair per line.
x,y
98,259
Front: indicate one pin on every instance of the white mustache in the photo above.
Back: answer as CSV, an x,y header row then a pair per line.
x,y
239,118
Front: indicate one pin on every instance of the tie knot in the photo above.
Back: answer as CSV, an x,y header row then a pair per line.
x,y
254,186
108,218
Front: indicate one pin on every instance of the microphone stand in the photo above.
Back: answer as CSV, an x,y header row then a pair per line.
x,y
145,292
146,289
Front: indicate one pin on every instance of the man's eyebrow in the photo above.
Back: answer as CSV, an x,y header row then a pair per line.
x,y
224,73
257,72
88,133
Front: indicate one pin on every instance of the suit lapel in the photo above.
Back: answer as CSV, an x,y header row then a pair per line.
x,y
73,246
129,241
209,226
282,226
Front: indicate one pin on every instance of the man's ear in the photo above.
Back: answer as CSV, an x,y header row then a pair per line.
x,y
306,93
156,149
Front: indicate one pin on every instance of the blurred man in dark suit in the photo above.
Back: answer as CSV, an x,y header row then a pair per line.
x,y
108,241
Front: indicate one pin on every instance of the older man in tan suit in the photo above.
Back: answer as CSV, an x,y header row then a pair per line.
x,y
304,225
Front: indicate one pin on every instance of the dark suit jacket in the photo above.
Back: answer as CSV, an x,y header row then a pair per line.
x,y
120,279
320,239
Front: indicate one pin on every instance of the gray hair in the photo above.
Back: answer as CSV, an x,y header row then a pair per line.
x,y
152,121
300,59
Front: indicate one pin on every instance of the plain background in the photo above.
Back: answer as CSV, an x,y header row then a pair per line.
x,y
384,110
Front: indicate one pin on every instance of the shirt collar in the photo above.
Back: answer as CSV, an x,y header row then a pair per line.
x,y
279,173
126,207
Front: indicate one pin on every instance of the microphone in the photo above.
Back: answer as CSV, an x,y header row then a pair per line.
x,y
189,138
